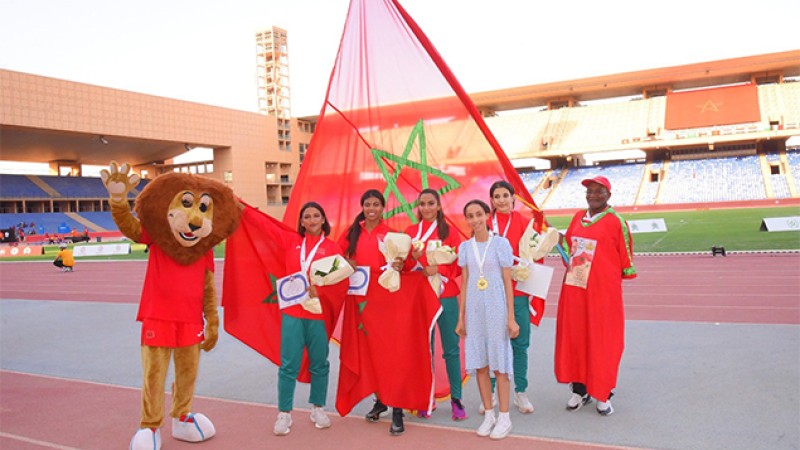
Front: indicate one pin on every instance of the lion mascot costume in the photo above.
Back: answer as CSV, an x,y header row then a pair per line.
x,y
180,217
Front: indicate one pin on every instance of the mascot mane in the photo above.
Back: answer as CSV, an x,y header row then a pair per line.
x,y
152,205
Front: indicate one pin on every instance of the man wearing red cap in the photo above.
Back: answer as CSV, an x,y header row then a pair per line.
x,y
590,328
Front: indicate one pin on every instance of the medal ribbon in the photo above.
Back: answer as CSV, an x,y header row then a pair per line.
x,y
306,261
496,227
481,260
427,233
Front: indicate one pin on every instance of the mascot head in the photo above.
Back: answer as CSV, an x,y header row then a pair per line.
x,y
187,215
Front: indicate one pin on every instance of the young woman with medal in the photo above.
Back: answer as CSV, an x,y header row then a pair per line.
x,y
486,315
432,231
511,225
305,327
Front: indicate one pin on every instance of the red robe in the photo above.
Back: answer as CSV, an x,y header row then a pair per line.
x,y
590,328
385,344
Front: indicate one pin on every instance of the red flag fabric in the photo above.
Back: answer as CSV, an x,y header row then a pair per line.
x,y
712,107
255,256
385,349
397,120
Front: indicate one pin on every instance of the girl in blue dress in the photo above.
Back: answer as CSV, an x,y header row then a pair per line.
x,y
486,315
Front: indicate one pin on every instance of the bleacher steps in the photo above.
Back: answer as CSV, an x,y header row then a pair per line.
x,y
542,182
84,221
661,179
555,185
645,179
44,186
765,176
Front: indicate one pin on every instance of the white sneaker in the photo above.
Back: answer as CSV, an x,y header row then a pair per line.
x,y
482,409
522,403
320,418
577,401
502,428
605,408
146,439
488,423
283,424
194,427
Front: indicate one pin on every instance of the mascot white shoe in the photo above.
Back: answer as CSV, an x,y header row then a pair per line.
x,y
193,428
146,439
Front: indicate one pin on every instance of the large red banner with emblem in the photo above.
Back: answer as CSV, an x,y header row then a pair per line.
x,y
725,105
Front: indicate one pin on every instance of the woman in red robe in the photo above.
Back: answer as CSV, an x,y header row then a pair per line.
x,y
590,327
386,344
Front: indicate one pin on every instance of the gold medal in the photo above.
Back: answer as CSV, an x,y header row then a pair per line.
x,y
483,283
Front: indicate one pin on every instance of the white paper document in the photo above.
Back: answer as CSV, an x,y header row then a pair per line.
x,y
538,282
359,281
292,290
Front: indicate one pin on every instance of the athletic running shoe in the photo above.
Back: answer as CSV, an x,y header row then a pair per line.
x,y
577,401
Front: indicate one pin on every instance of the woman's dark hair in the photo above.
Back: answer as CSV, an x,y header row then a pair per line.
x,y
326,226
442,227
498,185
480,203
355,229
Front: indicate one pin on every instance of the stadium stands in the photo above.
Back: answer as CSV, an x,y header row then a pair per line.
x,y
19,187
76,187
45,222
625,180
101,219
713,180
794,164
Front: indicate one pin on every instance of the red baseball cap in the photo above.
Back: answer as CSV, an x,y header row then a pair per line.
x,y
601,180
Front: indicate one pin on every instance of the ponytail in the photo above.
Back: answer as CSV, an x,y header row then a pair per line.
x,y
353,233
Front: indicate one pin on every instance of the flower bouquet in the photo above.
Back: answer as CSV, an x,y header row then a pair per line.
x,y
393,246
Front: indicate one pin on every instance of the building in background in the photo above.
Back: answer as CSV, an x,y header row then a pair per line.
x,y
272,62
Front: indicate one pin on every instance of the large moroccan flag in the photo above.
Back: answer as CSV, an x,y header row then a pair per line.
x,y
396,119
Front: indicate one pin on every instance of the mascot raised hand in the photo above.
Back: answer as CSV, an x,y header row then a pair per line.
x,y
181,217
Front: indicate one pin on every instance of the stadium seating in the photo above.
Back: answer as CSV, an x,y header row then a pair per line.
x,y
625,180
45,222
76,187
102,219
780,187
794,163
713,180
19,187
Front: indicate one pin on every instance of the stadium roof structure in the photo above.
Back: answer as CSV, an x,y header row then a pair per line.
x,y
772,67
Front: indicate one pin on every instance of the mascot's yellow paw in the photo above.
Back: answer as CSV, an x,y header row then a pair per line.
x,y
118,182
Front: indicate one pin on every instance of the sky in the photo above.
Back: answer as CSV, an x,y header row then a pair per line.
x,y
204,51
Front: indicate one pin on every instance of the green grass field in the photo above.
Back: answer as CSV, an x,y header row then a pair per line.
x,y
734,229
688,231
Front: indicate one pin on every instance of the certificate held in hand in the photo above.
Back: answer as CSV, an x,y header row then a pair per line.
x,y
292,290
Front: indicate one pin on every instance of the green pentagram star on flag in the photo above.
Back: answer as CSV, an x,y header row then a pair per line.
x,y
381,156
